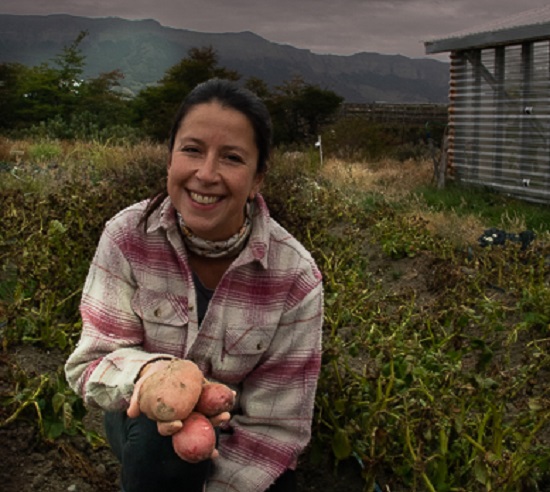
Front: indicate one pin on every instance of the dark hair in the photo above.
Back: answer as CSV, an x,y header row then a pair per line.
x,y
230,95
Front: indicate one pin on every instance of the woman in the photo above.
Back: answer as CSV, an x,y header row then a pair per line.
x,y
201,272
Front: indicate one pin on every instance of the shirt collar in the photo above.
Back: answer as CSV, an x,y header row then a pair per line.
x,y
257,248
258,243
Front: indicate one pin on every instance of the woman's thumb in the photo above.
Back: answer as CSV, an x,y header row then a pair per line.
x,y
134,410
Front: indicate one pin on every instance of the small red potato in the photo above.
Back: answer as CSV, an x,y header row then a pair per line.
x,y
215,398
171,393
196,440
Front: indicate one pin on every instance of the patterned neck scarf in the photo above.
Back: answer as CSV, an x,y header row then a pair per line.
x,y
227,248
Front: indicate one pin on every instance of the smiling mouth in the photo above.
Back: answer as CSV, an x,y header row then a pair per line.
x,y
204,199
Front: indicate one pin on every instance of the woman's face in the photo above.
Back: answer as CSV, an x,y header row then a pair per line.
x,y
212,170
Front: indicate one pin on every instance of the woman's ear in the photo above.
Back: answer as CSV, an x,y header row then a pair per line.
x,y
256,186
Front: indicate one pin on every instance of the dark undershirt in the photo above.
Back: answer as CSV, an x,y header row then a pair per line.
x,y
204,295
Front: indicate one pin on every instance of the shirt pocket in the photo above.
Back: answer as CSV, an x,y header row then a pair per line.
x,y
243,348
165,318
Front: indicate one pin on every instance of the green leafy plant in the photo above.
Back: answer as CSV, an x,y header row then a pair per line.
x,y
435,356
55,407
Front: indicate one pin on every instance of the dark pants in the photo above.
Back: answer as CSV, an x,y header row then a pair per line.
x,y
149,463
148,460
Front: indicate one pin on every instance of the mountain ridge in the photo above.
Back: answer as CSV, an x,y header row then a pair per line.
x,y
144,49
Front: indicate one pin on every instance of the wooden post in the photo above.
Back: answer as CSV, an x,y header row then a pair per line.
x,y
442,168
320,145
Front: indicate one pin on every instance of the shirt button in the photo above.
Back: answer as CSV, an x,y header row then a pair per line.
x,y
191,307
156,312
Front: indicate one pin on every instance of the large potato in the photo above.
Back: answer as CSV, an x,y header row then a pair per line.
x,y
196,440
171,393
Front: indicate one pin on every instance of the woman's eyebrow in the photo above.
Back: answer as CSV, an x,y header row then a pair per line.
x,y
184,139
235,148
196,140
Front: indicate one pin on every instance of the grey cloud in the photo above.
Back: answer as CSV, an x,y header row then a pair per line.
x,y
323,26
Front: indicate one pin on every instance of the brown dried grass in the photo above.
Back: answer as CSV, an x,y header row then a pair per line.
x,y
391,178
397,182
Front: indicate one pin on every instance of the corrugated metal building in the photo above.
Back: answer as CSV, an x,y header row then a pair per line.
x,y
499,104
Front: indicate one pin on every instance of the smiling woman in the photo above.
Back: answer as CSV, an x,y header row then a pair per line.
x,y
202,273
213,170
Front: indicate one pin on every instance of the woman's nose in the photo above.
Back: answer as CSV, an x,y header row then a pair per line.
x,y
208,170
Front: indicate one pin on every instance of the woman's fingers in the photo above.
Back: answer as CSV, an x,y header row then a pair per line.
x,y
219,419
134,410
151,367
169,428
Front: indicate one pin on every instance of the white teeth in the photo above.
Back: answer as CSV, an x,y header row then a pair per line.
x,y
203,199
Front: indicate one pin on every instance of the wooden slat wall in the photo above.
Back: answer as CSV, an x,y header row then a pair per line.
x,y
499,119
380,112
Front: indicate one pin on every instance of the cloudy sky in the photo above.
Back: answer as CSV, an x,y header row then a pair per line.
x,y
341,27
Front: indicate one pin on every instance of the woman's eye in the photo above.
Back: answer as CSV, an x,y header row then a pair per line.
x,y
190,150
234,158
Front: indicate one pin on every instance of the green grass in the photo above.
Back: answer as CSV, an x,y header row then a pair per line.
x,y
490,206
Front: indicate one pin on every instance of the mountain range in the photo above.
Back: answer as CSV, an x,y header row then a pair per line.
x,y
144,49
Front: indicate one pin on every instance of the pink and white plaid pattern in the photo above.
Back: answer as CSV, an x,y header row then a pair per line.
x,y
261,334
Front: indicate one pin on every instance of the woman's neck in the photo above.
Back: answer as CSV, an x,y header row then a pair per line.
x,y
209,270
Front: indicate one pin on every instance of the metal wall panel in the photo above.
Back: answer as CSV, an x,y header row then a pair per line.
x,y
499,119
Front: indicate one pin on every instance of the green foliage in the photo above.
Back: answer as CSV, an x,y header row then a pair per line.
x,y
300,110
44,151
491,206
82,126
10,95
155,106
352,138
47,399
52,217
54,101
54,97
407,240
415,392
70,61
438,395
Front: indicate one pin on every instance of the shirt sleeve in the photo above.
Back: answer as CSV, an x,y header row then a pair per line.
x,y
276,401
107,359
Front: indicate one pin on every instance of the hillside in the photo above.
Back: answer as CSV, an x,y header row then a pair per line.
x,y
144,50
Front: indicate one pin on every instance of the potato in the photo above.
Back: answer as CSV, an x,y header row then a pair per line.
x,y
171,393
196,440
215,398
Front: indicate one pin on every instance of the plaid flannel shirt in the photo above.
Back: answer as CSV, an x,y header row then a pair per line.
x,y
261,334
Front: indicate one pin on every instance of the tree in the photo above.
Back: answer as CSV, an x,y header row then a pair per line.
x,y
299,110
10,94
258,87
71,61
155,106
40,95
56,90
99,96
57,94
317,106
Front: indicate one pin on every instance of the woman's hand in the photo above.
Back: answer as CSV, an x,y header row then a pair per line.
x,y
145,396
170,428
158,397
135,401
164,428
